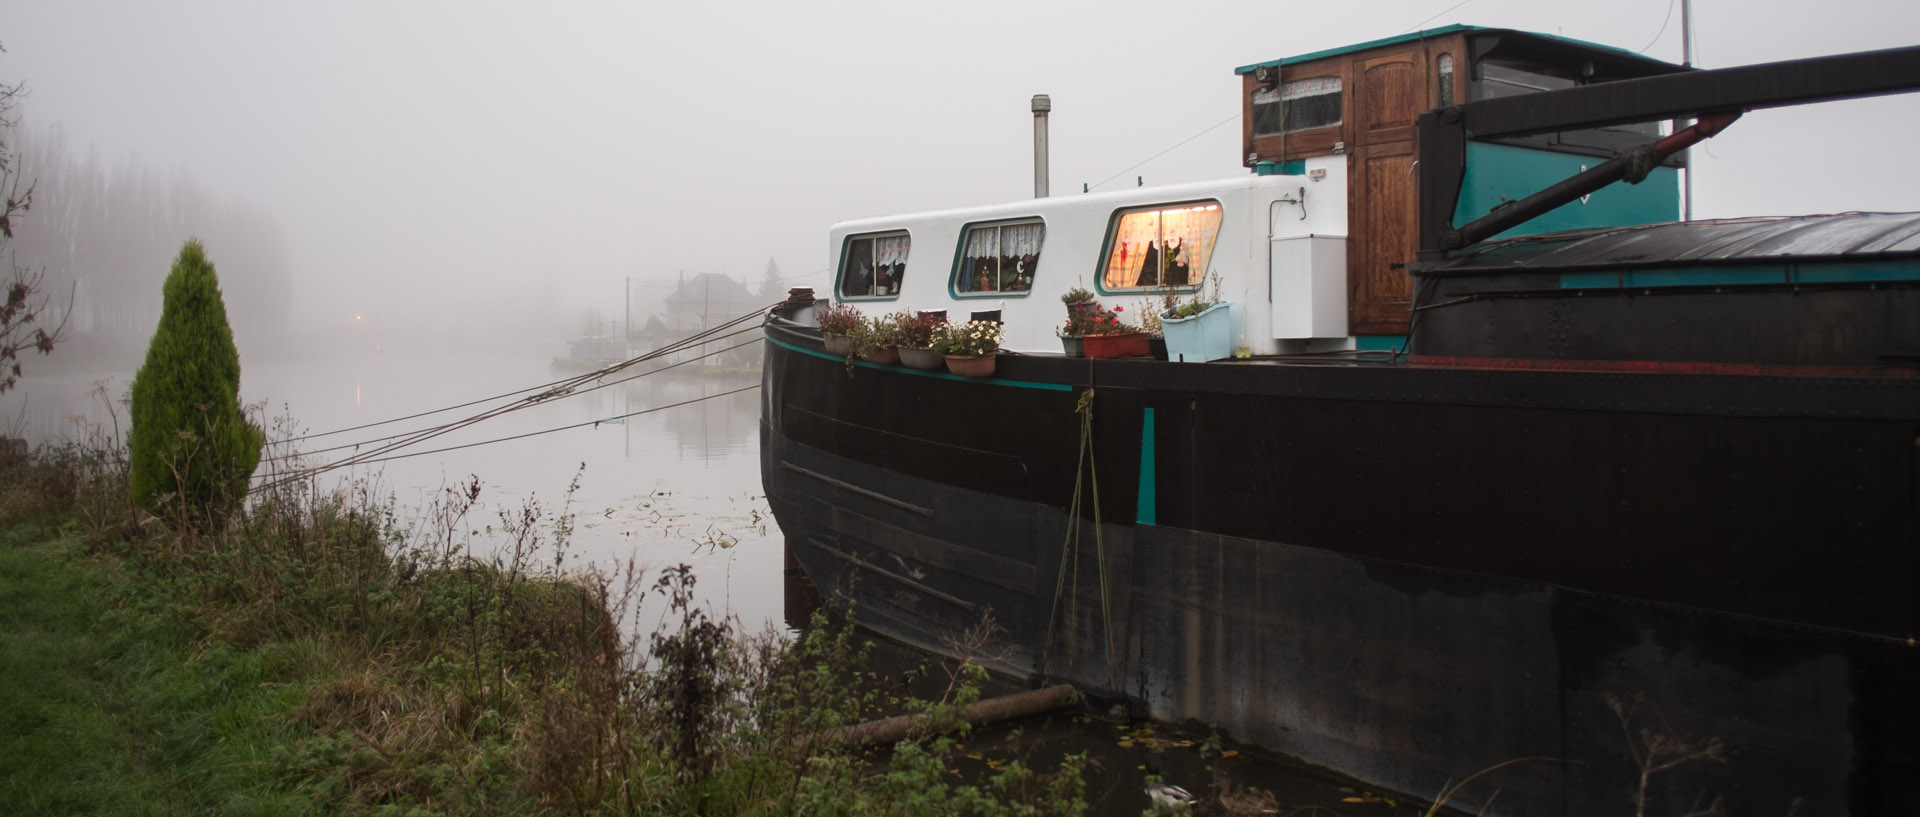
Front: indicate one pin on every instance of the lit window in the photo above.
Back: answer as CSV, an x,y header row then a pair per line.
x,y
1161,246
1303,104
873,265
999,258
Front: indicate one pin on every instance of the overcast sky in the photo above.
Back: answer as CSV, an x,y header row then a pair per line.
x,y
456,158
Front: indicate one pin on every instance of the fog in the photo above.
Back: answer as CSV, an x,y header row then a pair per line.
x,y
478,170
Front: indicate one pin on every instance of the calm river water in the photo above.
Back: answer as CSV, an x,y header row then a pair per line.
x,y
660,488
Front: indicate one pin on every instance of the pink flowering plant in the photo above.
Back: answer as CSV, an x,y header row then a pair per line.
x,y
839,319
919,331
970,338
1090,318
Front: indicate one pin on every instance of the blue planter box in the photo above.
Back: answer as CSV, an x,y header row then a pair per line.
x,y
1203,337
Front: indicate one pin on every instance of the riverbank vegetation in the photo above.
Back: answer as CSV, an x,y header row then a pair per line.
x,y
329,653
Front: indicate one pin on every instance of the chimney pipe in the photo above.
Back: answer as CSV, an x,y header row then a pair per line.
x,y
1041,106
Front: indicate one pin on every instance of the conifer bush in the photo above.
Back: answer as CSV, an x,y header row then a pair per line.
x,y
192,447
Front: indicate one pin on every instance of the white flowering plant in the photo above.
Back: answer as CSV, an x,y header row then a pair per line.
x,y
970,338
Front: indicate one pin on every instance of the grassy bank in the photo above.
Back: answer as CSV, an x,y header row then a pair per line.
x,y
330,654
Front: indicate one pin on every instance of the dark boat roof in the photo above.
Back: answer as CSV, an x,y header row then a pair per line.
x,y
1840,236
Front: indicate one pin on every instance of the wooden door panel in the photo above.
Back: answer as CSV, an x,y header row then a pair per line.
x,y
1382,238
1391,93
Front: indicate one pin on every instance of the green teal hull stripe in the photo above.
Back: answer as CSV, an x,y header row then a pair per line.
x,y
995,381
1146,513
1840,273
1380,343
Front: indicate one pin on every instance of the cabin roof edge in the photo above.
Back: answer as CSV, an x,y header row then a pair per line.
x,y
1430,33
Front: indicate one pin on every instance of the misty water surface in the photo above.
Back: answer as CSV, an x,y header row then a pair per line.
x,y
675,485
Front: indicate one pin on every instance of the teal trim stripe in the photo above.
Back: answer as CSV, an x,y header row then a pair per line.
x,y
1348,49
1297,167
1436,32
1835,273
1018,384
1145,511
1379,343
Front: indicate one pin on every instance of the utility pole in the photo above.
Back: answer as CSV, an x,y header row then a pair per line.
x,y
1686,59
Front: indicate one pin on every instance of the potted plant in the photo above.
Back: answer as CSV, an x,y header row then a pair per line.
x,y
837,322
1110,336
916,340
970,348
1200,327
1080,305
878,340
1150,322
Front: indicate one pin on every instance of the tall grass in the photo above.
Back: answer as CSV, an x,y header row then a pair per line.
x,y
329,652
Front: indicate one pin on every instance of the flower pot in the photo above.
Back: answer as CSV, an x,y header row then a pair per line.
x,y
836,344
921,358
1203,337
1131,344
971,365
884,355
1072,345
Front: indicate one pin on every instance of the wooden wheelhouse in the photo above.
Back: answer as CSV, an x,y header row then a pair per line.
x,y
1361,101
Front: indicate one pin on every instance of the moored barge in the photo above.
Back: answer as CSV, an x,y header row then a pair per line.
x,y
1516,466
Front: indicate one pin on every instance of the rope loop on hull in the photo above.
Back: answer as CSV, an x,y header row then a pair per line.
x,y
1070,547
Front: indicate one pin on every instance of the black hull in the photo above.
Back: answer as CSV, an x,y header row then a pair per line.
x,y
1405,574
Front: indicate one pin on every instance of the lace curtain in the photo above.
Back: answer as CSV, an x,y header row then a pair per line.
x,y
890,250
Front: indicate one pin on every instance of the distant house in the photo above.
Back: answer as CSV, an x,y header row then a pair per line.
x,y
708,300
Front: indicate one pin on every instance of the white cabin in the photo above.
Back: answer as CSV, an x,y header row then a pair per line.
x,y
1276,242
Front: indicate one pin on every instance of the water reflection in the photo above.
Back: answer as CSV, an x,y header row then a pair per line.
x,y
677,481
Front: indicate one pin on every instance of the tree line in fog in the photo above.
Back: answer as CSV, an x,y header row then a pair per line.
x,y
106,232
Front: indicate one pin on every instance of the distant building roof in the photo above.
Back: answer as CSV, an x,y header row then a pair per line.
x,y
711,288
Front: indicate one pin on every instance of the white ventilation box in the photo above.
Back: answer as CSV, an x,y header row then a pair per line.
x,y
1308,278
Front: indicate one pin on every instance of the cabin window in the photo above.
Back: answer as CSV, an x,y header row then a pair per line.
x,y
871,266
1303,104
1161,246
1444,66
1500,77
999,258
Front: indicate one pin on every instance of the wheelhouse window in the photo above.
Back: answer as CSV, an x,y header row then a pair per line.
x,y
999,258
1445,68
1500,77
1303,104
1161,246
1504,78
872,265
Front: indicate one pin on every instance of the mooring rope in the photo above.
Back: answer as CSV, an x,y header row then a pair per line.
x,y
386,446
1088,466
1069,545
1085,409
